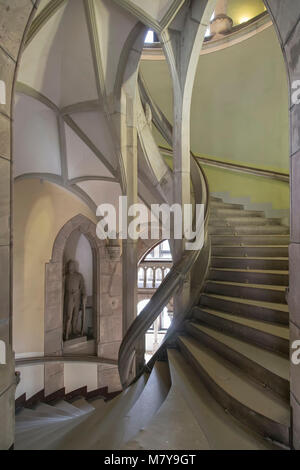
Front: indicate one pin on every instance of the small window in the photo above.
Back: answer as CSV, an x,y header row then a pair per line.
x,y
149,39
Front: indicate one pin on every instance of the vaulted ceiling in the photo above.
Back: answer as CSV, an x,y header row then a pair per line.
x,y
70,65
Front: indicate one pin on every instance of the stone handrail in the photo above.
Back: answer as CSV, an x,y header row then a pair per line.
x,y
209,161
171,283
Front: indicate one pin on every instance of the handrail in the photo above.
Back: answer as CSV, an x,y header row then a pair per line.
x,y
180,270
171,283
275,175
23,361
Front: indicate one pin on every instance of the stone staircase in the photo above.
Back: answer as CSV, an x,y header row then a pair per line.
x,y
237,338
225,384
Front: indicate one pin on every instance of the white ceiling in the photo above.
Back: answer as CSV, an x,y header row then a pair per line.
x,y
59,70
71,63
37,146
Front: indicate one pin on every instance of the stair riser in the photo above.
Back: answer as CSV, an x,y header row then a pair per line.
x,y
245,263
245,333
224,212
225,205
266,378
250,418
245,310
249,230
250,278
237,221
252,293
260,251
251,240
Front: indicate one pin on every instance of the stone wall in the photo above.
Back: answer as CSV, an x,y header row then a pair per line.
x,y
15,17
286,17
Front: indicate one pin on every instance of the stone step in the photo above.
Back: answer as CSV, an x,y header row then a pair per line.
x,y
107,426
145,408
42,435
83,405
277,278
265,367
228,212
248,229
255,309
242,240
266,293
43,409
270,336
251,251
223,432
215,199
68,408
237,394
225,205
281,263
238,221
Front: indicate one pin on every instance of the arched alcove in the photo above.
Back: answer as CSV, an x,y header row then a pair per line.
x,y
71,239
79,250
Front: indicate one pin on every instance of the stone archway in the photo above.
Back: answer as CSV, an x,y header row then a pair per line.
x,y
15,19
53,317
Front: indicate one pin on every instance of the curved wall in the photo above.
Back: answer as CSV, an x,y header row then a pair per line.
x,y
239,111
40,210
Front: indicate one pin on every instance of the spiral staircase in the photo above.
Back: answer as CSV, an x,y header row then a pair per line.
x,y
221,378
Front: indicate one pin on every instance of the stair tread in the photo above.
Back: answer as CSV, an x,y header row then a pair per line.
x,y
251,257
69,408
249,246
83,405
256,303
263,271
269,360
265,327
254,286
223,432
236,383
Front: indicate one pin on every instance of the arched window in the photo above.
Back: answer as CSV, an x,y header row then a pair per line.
x,y
149,278
158,277
141,278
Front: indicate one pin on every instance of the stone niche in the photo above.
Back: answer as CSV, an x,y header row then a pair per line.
x,y
76,244
102,273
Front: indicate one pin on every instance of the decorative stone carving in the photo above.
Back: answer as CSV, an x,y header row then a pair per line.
x,y
75,300
220,25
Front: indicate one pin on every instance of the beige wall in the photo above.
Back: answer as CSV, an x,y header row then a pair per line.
x,y
40,210
240,103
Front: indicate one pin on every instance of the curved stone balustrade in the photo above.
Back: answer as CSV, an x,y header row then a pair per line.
x,y
171,283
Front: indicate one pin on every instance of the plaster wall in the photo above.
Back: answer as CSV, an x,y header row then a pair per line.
x,y
40,211
239,105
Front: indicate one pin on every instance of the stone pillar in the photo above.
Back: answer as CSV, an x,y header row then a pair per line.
x,y
182,48
129,255
15,16
286,17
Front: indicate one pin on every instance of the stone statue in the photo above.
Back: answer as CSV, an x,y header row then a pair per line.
x,y
75,299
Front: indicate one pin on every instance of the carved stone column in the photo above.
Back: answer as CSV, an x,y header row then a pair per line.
x,y
182,43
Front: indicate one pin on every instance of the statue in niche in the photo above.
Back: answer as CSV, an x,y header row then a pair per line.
x,y
75,300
